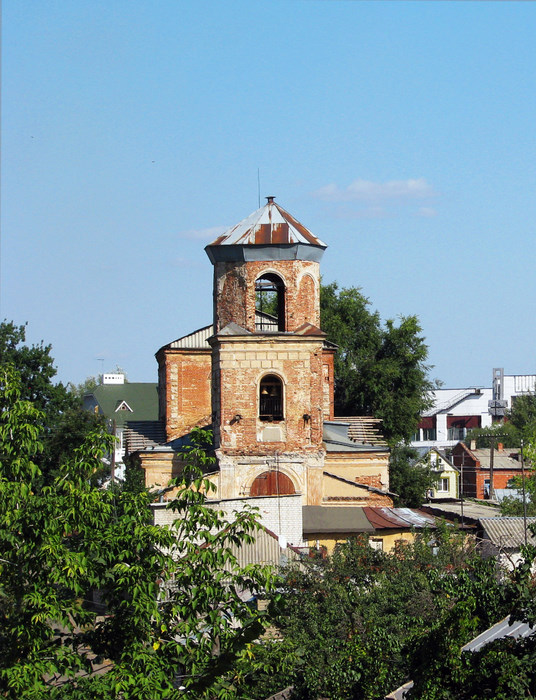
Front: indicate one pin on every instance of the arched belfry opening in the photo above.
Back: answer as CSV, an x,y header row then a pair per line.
x,y
271,398
270,303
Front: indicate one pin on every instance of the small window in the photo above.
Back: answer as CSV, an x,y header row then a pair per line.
x,y
271,398
270,303
376,544
443,485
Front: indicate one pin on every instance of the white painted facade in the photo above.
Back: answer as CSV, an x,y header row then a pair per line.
x,y
471,401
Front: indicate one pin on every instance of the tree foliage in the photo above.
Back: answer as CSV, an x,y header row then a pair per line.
x,y
169,612
380,369
63,423
410,478
506,433
363,622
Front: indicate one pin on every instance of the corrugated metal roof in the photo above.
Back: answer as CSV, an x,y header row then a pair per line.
x,y
507,532
139,435
500,630
194,341
269,225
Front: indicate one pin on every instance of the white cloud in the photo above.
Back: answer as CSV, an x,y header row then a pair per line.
x,y
426,212
368,191
208,234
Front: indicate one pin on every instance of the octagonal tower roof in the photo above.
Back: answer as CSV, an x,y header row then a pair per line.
x,y
270,233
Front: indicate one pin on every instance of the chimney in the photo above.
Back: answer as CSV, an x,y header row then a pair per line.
x,y
500,447
473,445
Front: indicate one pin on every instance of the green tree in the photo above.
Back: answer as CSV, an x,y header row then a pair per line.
x,y
507,433
171,595
522,415
409,478
359,624
63,424
380,369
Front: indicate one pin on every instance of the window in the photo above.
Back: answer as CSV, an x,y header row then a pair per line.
x,y
429,434
456,433
376,544
271,398
443,485
270,303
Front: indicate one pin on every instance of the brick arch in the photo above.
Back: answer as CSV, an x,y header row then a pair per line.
x,y
272,483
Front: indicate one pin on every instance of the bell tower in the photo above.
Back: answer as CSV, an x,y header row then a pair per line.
x,y
272,371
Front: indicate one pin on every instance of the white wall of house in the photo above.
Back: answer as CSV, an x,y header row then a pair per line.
x,y
471,401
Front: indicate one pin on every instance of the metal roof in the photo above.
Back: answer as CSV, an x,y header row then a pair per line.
x,y
507,532
318,519
140,397
269,225
501,459
193,341
500,630
386,518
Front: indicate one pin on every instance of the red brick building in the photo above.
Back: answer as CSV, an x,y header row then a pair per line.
x,y
475,469
261,376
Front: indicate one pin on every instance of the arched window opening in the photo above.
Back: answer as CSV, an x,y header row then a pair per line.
x,y
271,398
270,303
272,483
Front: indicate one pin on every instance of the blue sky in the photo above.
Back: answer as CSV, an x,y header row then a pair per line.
x,y
400,133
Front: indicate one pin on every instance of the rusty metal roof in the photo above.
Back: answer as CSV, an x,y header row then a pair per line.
x,y
269,225
386,518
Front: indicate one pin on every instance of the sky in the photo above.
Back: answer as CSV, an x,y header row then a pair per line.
x,y
402,134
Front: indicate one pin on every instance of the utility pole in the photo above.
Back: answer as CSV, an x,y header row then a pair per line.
x,y
491,459
524,499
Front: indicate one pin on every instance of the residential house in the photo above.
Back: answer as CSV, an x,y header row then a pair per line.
x,y
132,411
447,475
456,411
385,526
476,466
503,538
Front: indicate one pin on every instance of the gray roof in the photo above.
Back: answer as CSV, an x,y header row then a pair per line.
x,y
365,430
324,519
472,511
501,460
139,435
507,532
269,225
500,630
193,341
336,438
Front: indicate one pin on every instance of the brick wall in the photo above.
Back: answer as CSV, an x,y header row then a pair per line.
x,y
234,292
185,389
238,366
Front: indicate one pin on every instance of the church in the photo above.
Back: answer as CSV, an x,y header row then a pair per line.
x,y
261,377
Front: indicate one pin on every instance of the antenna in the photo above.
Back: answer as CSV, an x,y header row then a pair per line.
x,y
259,185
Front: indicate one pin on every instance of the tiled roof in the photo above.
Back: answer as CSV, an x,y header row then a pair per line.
x,y
365,430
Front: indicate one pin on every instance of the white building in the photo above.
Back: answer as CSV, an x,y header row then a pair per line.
x,y
456,411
